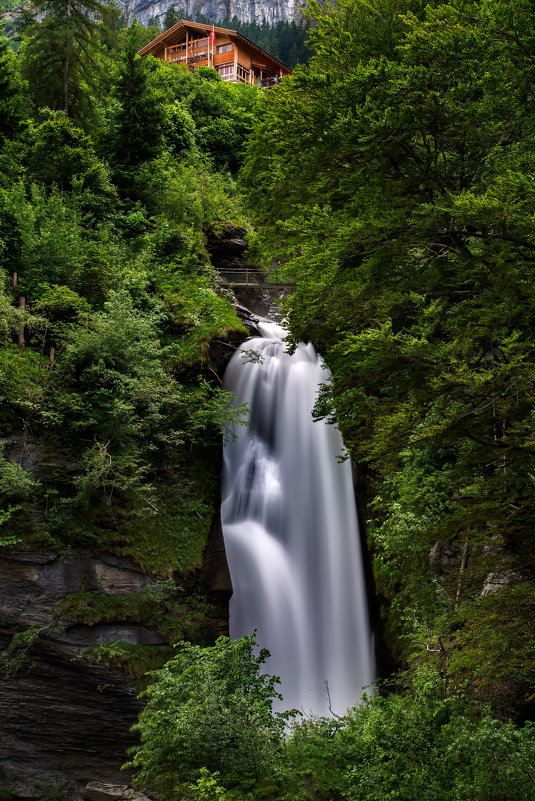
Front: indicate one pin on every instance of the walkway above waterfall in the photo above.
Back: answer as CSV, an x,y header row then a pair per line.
x,y
252,278
228,254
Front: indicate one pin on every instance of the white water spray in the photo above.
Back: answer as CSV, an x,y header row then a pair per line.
x,y
291,531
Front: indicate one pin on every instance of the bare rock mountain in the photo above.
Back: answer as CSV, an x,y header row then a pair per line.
x,y
272,11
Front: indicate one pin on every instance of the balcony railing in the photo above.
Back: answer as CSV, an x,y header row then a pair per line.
x,y
267,82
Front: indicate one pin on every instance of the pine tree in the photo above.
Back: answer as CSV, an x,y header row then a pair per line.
x,y
60,54
140,118
172,16
11,112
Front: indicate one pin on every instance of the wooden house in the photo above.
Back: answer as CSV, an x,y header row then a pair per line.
x,y
234,57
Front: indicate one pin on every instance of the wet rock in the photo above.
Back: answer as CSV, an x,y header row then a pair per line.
x,y
446,556
215,581
65,720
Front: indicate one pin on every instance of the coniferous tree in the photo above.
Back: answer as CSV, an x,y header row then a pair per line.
x,y
60,55
172,16
11,111
140,117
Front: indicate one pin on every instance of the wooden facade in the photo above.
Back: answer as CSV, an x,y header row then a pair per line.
x,y
234,57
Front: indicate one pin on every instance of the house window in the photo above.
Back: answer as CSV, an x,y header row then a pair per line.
x,y
243,74
226,48
226,72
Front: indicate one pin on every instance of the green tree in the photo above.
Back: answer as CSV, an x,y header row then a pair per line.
x,y
11,99
210,708
60,154
172,16
392,178
140,117
60,55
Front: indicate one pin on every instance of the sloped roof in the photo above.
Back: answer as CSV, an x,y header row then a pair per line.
x,y
169,37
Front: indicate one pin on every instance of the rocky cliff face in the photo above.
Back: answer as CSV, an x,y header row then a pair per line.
x,y
64,720
65,716
272,11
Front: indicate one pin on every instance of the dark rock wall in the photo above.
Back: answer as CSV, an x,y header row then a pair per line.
x,y
65,719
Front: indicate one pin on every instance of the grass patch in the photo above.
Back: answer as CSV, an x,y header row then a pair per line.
x,y
136,660
157,606
174,538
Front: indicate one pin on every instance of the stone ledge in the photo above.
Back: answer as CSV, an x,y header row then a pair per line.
x,y
104,791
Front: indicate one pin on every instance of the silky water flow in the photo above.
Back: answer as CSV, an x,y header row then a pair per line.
x,y
291,531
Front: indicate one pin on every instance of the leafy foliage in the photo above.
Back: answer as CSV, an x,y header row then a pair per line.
x,y
393,178
420,745
114,405
209,708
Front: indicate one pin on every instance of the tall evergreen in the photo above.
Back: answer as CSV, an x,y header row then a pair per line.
x,y
172,16
140,116
11,110
60,55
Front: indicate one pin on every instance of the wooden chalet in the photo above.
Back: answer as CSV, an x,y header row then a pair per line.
x,y
236,59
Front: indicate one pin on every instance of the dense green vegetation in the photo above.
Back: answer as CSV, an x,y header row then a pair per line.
x,y
113,173
393,178
208,731
220,719
398,188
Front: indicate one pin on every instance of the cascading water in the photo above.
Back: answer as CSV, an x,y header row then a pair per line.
x,y
291,531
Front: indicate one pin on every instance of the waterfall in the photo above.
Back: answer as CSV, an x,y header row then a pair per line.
x,y
291,531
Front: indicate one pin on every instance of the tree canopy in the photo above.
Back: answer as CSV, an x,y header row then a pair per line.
x,y
393,179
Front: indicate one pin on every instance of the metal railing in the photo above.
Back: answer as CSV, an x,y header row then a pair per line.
x,y
253,277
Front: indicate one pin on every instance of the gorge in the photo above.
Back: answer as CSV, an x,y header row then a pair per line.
x,y
389,182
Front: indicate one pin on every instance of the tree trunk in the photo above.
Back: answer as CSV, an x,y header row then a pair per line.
x,y
464,562
66,65
22,305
